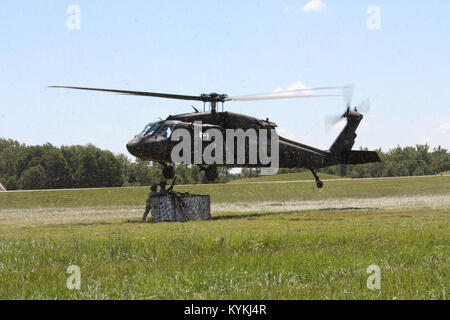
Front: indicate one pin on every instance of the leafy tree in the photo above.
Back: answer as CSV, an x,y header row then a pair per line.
x,y
9,154
32,178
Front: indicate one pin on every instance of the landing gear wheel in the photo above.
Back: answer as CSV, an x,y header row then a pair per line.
x,y
211,173
168,172
316,177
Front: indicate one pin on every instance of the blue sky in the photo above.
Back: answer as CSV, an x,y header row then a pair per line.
x,y
233,47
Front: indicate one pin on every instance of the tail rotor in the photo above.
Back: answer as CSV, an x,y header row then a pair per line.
x,y
347,92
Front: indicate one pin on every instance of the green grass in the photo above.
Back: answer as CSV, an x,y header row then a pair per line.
x,y
221,193
309,254
305,175
289,255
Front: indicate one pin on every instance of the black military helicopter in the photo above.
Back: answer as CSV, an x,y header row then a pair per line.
x,y
154,142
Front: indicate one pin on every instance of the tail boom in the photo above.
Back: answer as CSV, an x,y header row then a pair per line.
x,y
359,157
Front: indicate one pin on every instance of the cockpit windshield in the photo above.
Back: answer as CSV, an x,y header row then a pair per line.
x,y
159,128
148,128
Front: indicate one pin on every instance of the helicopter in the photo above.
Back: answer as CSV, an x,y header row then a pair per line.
x,y
155,143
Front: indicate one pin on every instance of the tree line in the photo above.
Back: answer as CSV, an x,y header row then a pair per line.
x,y
49,167
399,161
25,167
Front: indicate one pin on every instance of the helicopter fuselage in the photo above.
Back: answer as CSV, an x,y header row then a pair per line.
x,y
157,145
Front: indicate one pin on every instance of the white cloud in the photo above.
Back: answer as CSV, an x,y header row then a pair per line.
x,y
443,128
279,89
286,10
314,5
298,85
92,140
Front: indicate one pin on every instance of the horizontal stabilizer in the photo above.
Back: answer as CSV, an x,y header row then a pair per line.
x,y
358,157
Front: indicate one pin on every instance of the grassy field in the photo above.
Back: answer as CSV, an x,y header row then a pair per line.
x,y
233,192
305,175
247,251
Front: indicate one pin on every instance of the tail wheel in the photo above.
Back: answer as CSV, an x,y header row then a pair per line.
x,y
169,172
319,183
211,173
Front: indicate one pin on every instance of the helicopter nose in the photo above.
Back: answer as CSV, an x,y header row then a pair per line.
x,y
133,146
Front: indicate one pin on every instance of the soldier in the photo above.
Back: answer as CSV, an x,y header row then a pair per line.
x,y
162,189
148,205
171,186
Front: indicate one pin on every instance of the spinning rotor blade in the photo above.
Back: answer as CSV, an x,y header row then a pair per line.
x,y
348,93
364,106
138,93
331,120
274,97
284,94
214,97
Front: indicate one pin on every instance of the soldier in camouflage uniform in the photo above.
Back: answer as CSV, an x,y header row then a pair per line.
x,y
162,189
148,205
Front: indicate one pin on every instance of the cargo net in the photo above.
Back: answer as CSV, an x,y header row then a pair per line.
x,y
180,207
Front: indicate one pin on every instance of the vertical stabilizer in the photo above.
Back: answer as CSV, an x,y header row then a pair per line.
x,y
346,139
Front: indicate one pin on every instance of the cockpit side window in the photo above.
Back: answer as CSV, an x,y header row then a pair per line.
x,y
164,131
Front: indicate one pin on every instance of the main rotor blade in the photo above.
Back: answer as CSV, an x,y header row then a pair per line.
x,y
138,93
283,92
274,97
